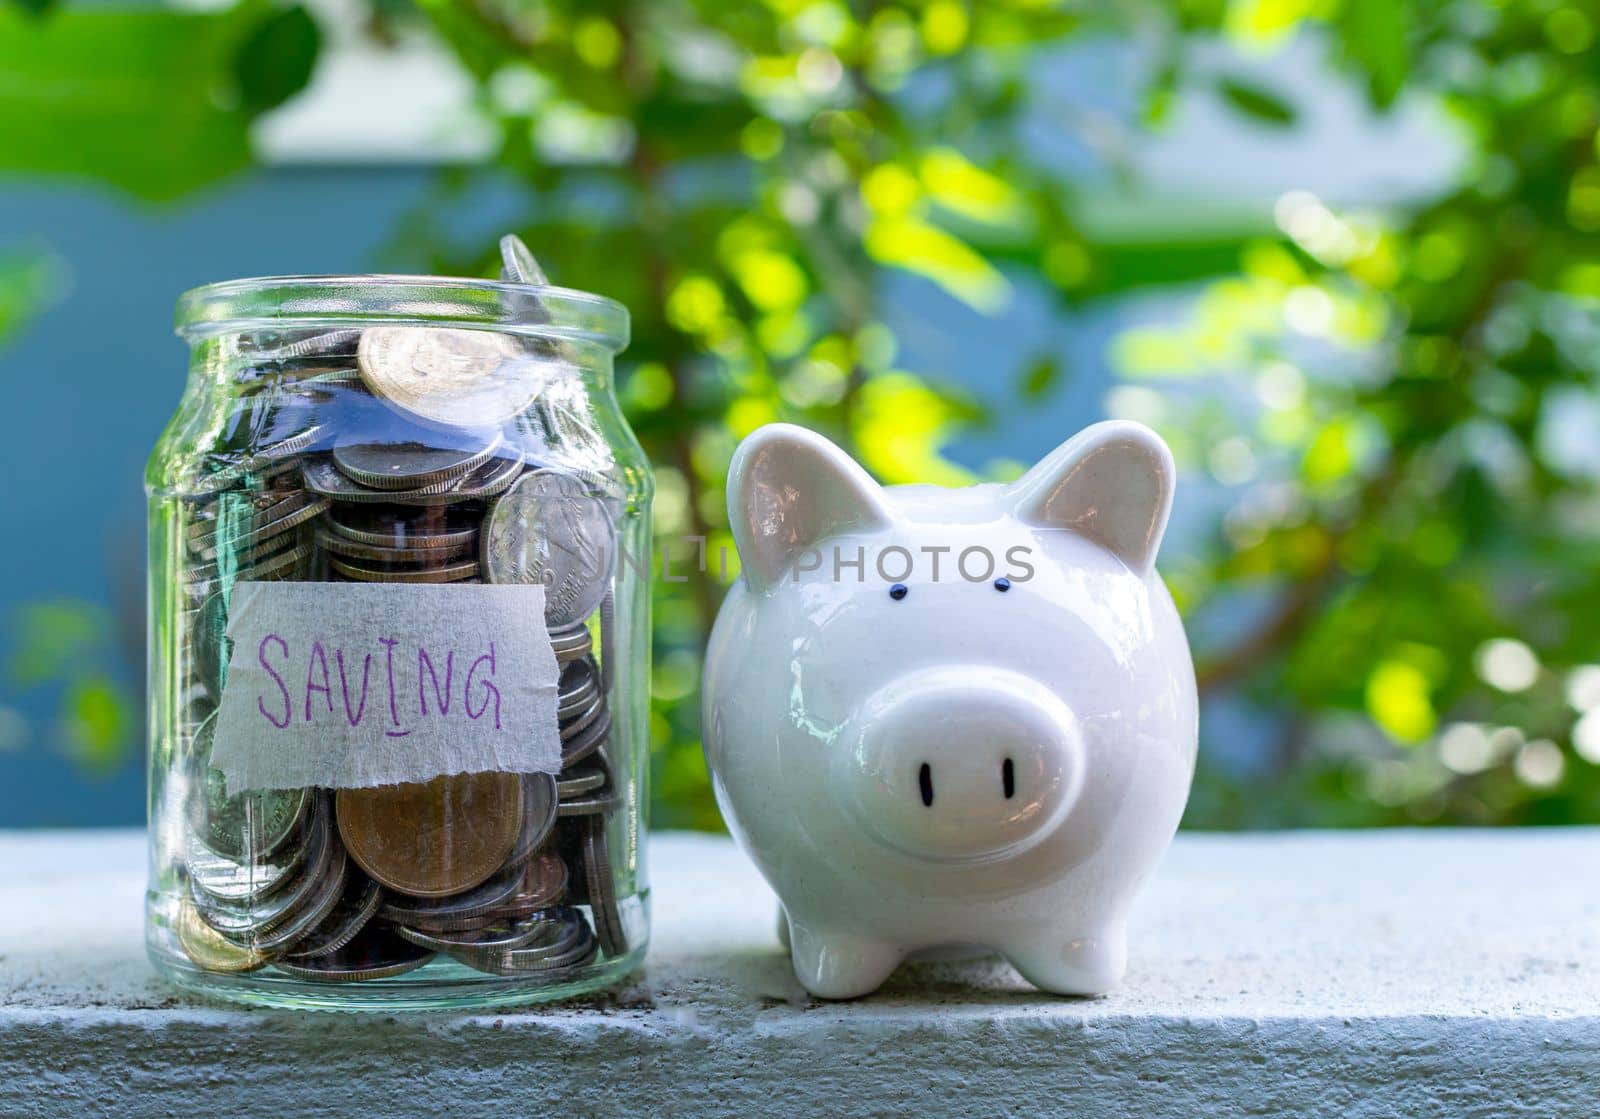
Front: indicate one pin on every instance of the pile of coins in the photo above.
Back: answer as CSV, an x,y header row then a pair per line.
x,y
405,454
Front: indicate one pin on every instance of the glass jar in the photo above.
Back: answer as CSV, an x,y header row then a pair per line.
x,y
398,647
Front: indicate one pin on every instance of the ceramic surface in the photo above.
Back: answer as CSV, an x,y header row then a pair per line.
x,y
919,757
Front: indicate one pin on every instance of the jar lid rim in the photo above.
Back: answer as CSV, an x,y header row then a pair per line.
x,y
262,302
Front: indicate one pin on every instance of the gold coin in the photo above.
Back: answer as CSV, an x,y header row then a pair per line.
x,y
209,948
435,839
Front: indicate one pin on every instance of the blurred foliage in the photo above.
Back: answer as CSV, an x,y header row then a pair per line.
x,y
63,645
1401,408
156,101
1396,409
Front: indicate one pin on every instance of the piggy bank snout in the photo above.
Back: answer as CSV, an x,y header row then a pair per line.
x,y
963,764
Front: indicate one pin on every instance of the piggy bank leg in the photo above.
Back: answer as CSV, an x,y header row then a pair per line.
x,y
783,928
1083,965
835,965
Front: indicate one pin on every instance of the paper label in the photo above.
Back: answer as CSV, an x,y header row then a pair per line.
x,y
346,685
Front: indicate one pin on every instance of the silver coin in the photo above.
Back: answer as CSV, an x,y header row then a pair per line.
x,y
579,782
447,375
341,545
585,742
408,465
236,882
330,889
444,573
286,564
359,905
499,936
246,921
377,953
262,507
538,816
571,643
518,264
441,912
277,519
576,720
579,684
252,825
245,557
320,343
600,805
575,949
547,530
266,461
602,889
324,478
441,527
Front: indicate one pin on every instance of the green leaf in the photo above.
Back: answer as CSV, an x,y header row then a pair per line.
x,y
1257,102
1041,378
98,720
1373,34
146,99
276,59
35,7
29,282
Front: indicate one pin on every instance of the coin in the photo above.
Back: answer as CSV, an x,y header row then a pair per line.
x,y
249,825
359,904
462,378
518,264
579,683
581,714
586,741
247,556
445,573
602,889
538,816
254,531
300,345
377,953
408,465
281,565
266,461
569,944
572,642
579,782
230,880
323,901
209,948
587,806
435,839
496,937
324,478
443,527
247,921
344,546
449,912
542,884
545,529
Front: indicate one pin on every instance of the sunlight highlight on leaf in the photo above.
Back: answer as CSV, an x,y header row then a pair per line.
x,y
943,258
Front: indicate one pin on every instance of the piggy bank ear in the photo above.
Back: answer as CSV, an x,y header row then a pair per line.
x,y
788,490
1111,483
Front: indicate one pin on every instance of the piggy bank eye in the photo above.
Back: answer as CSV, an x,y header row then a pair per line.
x,y
898,591
1002,584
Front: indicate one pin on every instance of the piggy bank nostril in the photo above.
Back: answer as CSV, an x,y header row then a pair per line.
x,y
925,780
1008,779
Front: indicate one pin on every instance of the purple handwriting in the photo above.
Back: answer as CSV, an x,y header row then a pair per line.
x,y
338,676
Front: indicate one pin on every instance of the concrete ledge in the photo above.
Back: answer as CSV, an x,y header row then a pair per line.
x,y
1400,973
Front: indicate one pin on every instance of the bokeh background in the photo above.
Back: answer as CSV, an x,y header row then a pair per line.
x,y
1341,253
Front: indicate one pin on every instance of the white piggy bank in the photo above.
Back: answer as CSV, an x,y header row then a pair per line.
x,y
951,718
